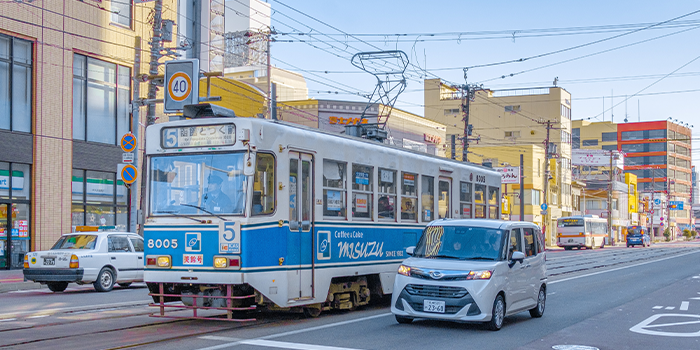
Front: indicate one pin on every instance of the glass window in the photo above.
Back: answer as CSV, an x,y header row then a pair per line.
x,y
76,242
494,202
101,95
609,137
530,245
461,242
610,147
643,134
465,199
100,215
386,205
576,138
362,197
15,84
95,201
100,187
444,199
427,197
480,201
264,185
409,197
137,243
590,143
334,188
118,244
121,12
516,244
647,160
198,185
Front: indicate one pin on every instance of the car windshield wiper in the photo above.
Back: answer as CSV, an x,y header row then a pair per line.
x,y
174,213
204,210
478,258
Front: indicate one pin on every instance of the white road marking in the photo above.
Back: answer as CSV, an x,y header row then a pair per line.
x,y
670,307
694,298
39,316
298,331
643,326
8,319
684,306
696,276
294,346
657,307
622,268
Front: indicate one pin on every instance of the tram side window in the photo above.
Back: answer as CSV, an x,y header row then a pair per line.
x,y
427,196
494,201
409,197
465,199
264,185
480,201
362,196
334,186
386,205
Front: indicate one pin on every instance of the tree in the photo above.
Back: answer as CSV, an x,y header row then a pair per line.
x,y
667,234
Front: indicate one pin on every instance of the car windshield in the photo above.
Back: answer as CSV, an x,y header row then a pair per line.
x,y
76,242
211,184
460,242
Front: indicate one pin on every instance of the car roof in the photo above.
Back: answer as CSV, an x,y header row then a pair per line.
x,y
485,223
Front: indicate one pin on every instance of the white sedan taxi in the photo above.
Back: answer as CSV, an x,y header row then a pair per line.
x,y
100,258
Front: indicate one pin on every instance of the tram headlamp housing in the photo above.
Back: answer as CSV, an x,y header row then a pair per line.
x,y
163,261
220,262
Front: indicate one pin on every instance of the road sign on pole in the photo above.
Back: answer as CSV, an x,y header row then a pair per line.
x,y
181,84
128,142
128,173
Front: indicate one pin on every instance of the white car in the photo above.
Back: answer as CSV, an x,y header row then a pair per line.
x,y
472,271
100,258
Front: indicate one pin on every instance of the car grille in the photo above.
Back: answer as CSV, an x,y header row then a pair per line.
x,y
436,291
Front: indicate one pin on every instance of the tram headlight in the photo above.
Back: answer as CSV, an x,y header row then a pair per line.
x,y
163,261
220,262
405,270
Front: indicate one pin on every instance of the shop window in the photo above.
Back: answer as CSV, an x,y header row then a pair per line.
x,y
362,196
99,200
334,186
264,185
15,183
101,95
409,197
15,84
121,12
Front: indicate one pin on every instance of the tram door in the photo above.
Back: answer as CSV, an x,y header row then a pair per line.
x,y
300,238
444,198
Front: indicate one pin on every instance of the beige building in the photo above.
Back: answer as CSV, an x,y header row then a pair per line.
x,y
66,85
290,85
514,117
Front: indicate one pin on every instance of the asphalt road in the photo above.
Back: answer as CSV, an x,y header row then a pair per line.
x,y
613,298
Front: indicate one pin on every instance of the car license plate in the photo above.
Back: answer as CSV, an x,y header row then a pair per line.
x,y
571,240
434,306
49,261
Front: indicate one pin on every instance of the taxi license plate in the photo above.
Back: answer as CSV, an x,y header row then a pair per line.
x,y
434,306
49,261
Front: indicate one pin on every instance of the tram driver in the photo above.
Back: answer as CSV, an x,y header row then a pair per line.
x,y
215,200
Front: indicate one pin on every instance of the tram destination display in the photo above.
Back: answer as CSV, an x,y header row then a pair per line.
x,y
199,136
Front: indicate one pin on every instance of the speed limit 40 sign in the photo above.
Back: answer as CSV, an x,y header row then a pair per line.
x,y
181,84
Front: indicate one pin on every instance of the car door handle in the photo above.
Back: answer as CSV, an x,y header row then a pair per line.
x,y
114,258
140,258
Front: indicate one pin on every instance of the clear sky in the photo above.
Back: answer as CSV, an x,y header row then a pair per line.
x,y
499,31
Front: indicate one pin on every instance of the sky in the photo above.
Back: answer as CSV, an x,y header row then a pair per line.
x,y
636,60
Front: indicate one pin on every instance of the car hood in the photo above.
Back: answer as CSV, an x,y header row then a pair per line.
x,y
450,264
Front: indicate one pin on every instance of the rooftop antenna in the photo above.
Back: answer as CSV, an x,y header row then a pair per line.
x,y
639,115
625,108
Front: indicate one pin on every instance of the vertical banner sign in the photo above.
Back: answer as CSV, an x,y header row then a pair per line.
x,y
181,84
509,175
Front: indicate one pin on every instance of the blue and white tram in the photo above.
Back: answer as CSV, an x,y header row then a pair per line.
x,y
250,213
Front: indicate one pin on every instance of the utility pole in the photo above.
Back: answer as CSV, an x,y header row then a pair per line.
x,y
522,189
269,77
135,126
468,93
545,217
610,189
653,177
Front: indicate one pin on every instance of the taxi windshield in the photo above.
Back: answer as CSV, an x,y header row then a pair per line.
x,y
459,242
76,242
202,184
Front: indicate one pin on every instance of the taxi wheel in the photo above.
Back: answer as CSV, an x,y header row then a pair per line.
x,y
105,280
498,313
57,286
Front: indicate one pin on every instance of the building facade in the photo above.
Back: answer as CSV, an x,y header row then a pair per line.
x,y
66,86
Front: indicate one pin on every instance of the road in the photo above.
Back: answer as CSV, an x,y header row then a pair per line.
x,y
612,298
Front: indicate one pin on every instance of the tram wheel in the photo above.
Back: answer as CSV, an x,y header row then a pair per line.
x,y
312,312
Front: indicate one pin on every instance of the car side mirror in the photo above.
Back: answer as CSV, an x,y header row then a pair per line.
x,y
409,251
516,256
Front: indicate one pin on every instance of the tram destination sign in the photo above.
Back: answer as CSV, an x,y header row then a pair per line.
x,y
199,136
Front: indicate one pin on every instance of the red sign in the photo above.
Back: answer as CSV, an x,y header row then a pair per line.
x,y
432,138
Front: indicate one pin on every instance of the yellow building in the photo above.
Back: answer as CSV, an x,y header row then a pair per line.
x,y
515,117
71,65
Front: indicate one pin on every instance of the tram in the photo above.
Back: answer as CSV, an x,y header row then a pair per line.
x,y
246,213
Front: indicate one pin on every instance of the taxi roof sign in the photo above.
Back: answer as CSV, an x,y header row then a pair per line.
x,y
87,228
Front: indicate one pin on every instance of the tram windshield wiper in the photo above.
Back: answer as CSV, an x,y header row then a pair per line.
x,y
174,213
202,209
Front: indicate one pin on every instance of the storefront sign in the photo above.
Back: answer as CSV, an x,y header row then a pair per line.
x,y
17,180
595,157
432,138
509,174
347,121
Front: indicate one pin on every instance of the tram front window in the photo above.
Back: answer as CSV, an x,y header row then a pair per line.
x,y
198,185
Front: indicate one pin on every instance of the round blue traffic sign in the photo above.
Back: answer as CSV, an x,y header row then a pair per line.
x,y
128,142
543,206
129,174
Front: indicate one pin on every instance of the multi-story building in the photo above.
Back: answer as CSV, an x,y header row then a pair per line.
x,y
514,117
658,153
66,85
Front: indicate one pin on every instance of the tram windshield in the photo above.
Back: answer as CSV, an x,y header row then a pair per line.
x,y
211,184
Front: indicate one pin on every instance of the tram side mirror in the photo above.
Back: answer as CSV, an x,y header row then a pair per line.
x,y
249,167
409,251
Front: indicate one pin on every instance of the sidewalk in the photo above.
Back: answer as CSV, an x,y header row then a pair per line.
x,y
11,280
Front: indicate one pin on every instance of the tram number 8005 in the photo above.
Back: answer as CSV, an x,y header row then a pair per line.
x,y
162,243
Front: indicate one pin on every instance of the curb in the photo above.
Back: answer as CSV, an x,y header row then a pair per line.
x,y
11,287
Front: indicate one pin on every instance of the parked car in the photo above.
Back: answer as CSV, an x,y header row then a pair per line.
x,y
638,235
100,258
472,271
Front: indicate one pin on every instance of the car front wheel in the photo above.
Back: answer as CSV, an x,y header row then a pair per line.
x,y
498,313
105,280
57,286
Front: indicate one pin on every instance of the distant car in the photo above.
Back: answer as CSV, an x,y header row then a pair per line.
x,y
638,235
100,258
472,271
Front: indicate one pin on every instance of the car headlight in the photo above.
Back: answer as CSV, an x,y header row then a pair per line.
x,y
163,261
479,275
405,270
